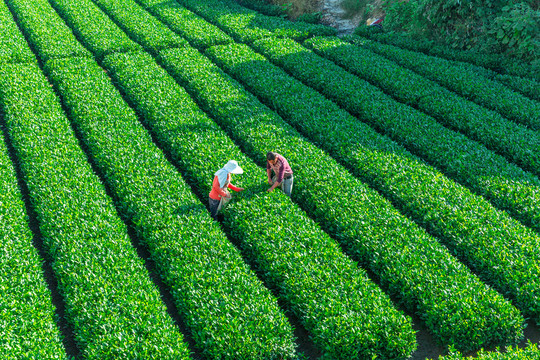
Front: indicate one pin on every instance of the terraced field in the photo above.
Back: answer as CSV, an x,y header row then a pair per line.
x,y
413,228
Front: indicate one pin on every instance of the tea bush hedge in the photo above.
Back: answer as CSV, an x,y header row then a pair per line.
x,y
112,307
47,34
13,45
23,290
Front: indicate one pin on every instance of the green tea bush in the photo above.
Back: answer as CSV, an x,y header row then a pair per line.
x,y
458,78
446,209
112,306
47,34
189,25
247,25
13,45
515,142
140,25
361,224
230,314
347,315
94,29
23,290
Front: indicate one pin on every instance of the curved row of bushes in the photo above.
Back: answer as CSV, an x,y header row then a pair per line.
x,y
230,314
507,186
45,31
467,223
362,224
140,26
13,46
23,290
113,308
515,142
246,25
347,315
460,79
532,351
97,32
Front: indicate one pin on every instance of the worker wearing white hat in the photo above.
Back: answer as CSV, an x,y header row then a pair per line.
x,y
219,195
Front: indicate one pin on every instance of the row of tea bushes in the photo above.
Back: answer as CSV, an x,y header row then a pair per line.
x,y
228,311
460,79
112,307
503,256
189,25
13,45
140,25
347,315
364,223
495,62
515,142
27,326
507,186
93,28
246,25
45,31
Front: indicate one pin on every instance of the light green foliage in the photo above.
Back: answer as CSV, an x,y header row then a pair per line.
x,y
24,295
347,315
114,309
531,352
192,27
230,313
44,30
13,46
247,25
95,30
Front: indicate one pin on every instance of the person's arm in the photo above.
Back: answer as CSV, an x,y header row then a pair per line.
x,y
269,174
232,187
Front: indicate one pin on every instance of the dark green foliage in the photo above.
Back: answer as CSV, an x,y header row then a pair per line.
x,y
230,314
459,78
13,46
347,315
113,308
23,292
95,30
45,31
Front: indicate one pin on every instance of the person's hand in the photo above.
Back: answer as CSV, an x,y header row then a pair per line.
x,y
240,189
270,181
270,190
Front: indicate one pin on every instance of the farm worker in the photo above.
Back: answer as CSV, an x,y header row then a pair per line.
x,y
219,195
283,175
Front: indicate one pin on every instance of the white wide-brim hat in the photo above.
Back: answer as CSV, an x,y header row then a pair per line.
x,y
233,168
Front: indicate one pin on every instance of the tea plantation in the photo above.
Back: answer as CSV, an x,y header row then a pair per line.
x,y
416,200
